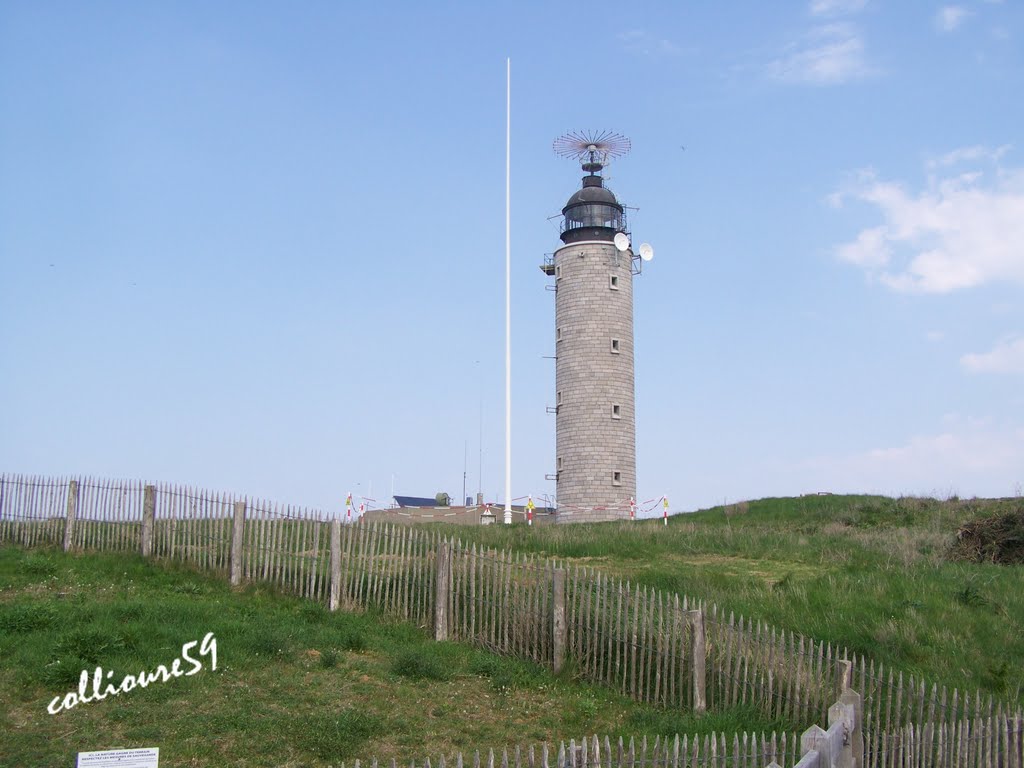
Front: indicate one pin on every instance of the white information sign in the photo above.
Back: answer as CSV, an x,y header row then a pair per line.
x,y
148,757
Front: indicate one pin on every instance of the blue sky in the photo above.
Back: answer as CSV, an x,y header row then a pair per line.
x,y
259,247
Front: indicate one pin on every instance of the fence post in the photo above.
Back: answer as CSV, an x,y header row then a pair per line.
x,y
335,564
815,740
558,626
853,699
696,621
844,676
148,519
237,529
443,584
69,526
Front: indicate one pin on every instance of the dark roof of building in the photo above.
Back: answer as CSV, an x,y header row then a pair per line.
x,y
415,501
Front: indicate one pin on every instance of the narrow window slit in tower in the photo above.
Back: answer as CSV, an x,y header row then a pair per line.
x,y
558,334
616,478
615,346
613,282
616,411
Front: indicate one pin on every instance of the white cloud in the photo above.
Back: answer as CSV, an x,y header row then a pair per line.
x,y
1006,357
836,7
829,55
961,231
964,154
949,17
870,250
968,457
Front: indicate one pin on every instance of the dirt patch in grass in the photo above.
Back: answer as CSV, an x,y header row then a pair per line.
x,y
768,571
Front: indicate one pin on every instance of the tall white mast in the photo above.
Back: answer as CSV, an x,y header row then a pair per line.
x,y
508,293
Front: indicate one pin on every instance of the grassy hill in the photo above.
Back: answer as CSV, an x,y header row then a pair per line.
x,y
297,685
867,572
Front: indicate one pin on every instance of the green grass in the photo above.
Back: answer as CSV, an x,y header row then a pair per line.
x,y
865,572
299,685
295,684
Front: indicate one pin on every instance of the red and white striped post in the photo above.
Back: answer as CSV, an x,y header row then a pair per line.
x,y
529,510
632,508
665,506
348,508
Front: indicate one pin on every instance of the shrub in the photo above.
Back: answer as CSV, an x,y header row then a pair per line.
x,y
89,644
422,664
64,672
995,539
38,565
267,642
22,617
970,595
504,674
351,639
314,613
330,734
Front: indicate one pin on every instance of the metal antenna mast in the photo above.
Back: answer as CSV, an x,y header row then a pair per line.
x,y
508,295
594,148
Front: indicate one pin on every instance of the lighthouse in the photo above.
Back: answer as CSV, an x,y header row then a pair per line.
x,y
595,404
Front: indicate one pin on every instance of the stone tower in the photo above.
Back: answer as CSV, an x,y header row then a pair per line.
x,y
595,421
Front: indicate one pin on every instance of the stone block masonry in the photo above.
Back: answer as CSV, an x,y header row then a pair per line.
x,y
595,442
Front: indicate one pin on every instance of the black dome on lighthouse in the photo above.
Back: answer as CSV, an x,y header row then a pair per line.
x,y
592,213
593,193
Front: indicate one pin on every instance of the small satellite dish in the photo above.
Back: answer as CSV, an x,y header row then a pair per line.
x,y
621,241
646,252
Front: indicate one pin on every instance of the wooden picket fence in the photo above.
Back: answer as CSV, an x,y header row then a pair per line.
x,y
841,745
980,743
663,649
719,750
33,510
983,742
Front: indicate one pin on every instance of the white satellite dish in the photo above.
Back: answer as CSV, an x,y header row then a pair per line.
x,y
646,252
621,241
